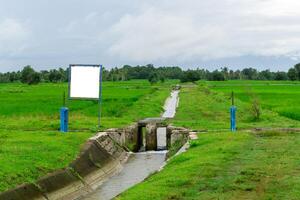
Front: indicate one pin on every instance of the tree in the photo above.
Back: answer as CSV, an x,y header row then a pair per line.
x,y
44,75
292,74
36,78
297,69
249,73
216,76
153,78
64,75
13,76
4,78
281,76
189,76
29,76
56,75
225,73
265,75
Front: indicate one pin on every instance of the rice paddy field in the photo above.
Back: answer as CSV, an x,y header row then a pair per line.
x,y
232,166
36,107
219,165
282,97
205,105
229,166
30,143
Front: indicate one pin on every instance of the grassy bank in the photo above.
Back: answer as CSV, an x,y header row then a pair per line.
x,y
30,144
204,107
36,107
229,166
25,156
281,97
222,165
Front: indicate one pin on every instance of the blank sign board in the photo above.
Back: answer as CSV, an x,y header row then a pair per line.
x,y
84,82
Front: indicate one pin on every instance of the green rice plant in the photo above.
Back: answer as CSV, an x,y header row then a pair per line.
x,y
30,142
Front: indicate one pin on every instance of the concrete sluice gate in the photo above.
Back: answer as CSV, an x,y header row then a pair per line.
x,y
151,134
149,141
154,135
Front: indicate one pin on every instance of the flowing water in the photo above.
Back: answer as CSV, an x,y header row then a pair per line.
x,y
171,105
139,165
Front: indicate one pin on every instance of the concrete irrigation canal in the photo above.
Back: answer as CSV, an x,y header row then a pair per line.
x,y
171,105
111,162
139,165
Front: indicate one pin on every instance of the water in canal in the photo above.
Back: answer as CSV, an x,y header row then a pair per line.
x,y
139,165
171,105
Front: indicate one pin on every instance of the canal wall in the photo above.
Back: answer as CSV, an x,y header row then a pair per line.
x,y
100,158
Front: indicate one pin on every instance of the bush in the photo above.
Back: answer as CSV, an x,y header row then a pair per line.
x,y
29,76
216,76
153,78
255,108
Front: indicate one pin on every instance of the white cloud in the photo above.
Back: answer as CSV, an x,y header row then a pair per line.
x,y
164,32
13,35
275,8
184,30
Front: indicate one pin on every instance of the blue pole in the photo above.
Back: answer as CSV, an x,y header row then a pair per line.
x,y
64,112
233,118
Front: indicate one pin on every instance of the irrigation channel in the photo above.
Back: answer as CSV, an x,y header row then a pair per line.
x,y
139,165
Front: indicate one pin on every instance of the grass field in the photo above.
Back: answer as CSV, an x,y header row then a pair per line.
x,y
223,165
37,107
220,165
30,144
206,106
281,97
229,166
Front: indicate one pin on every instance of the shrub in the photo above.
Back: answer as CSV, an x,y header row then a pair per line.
x,y
29,76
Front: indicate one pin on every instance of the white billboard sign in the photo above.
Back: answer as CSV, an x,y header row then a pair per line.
x,y
84,81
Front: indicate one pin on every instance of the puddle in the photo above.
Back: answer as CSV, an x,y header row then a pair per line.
x,y
138,167
171,105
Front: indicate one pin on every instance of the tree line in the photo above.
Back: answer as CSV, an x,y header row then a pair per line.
x,y
154,74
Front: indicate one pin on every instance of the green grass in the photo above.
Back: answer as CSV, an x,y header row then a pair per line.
x,y
25,156
203,106
225,165
218,166
37,107
229,166
281,97
30,144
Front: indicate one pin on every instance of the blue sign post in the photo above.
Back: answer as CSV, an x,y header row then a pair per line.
x,y
232,118
232,114
64,119
64,116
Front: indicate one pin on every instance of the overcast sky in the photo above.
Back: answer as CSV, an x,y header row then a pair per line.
x,y
189,33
